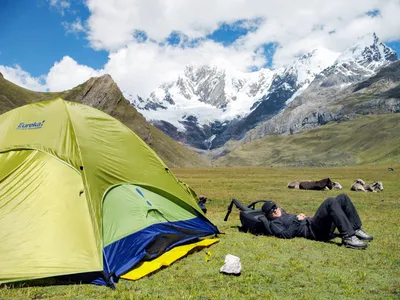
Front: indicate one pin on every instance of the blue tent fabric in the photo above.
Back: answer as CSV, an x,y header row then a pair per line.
x,y
122,255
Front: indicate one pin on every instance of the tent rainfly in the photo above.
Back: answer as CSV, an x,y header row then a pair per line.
x,y
81,194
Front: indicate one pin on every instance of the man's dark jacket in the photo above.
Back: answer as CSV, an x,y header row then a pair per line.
x,y
288,226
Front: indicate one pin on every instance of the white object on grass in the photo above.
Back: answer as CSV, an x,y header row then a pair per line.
x,y
232,265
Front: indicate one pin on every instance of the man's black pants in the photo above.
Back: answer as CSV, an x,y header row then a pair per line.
x,y
334,213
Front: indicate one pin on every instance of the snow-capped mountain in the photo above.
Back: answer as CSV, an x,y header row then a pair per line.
x,y
308,66
359,61
285,85
206,106
324,99
368,52
207,93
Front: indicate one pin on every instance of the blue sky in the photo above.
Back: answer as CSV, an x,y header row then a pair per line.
x,y
57,44
32,36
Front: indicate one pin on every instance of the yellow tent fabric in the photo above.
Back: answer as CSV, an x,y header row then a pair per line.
x,y
58,159
166,259
38,230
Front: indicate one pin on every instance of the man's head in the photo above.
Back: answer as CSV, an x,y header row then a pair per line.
x,y
271,210
202,199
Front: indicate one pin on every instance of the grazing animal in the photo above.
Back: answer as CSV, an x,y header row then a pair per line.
x,y
376,186
390,169
336,185
316,185
359,181
361,186
358,187
295,184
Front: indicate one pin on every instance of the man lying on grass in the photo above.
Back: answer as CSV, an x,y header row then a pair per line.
x,y
333,213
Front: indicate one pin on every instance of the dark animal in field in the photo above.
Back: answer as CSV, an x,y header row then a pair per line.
x,y
390,169
360,186
296,184
322,184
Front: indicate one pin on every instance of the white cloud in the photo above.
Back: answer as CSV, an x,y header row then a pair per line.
x,y
60,5
308,24
74,27
68,73
140,67
298,27
18,76
64,75
112,23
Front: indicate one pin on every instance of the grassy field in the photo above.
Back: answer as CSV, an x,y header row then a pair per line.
x,y
364,140
271,268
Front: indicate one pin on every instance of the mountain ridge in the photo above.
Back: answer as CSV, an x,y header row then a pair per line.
x,y
208,106
322,103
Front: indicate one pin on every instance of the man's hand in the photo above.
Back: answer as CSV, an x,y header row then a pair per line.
x,y
301,217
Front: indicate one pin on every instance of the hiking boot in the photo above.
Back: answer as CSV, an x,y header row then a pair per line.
x,y
353,242
363,236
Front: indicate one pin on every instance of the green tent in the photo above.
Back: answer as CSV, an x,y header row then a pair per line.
x,y
80,193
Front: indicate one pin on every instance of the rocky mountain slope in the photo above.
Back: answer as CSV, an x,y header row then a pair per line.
x,y
207,106
332,96
103,93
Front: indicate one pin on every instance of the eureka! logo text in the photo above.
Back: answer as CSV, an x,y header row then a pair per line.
x,y
34,125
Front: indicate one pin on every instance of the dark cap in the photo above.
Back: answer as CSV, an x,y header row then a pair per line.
x,y
268,206
202,199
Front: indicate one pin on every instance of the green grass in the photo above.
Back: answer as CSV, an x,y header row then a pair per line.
x,y
272,268
365,140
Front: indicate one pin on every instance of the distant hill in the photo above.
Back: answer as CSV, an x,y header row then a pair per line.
x,y
366,139
103,93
